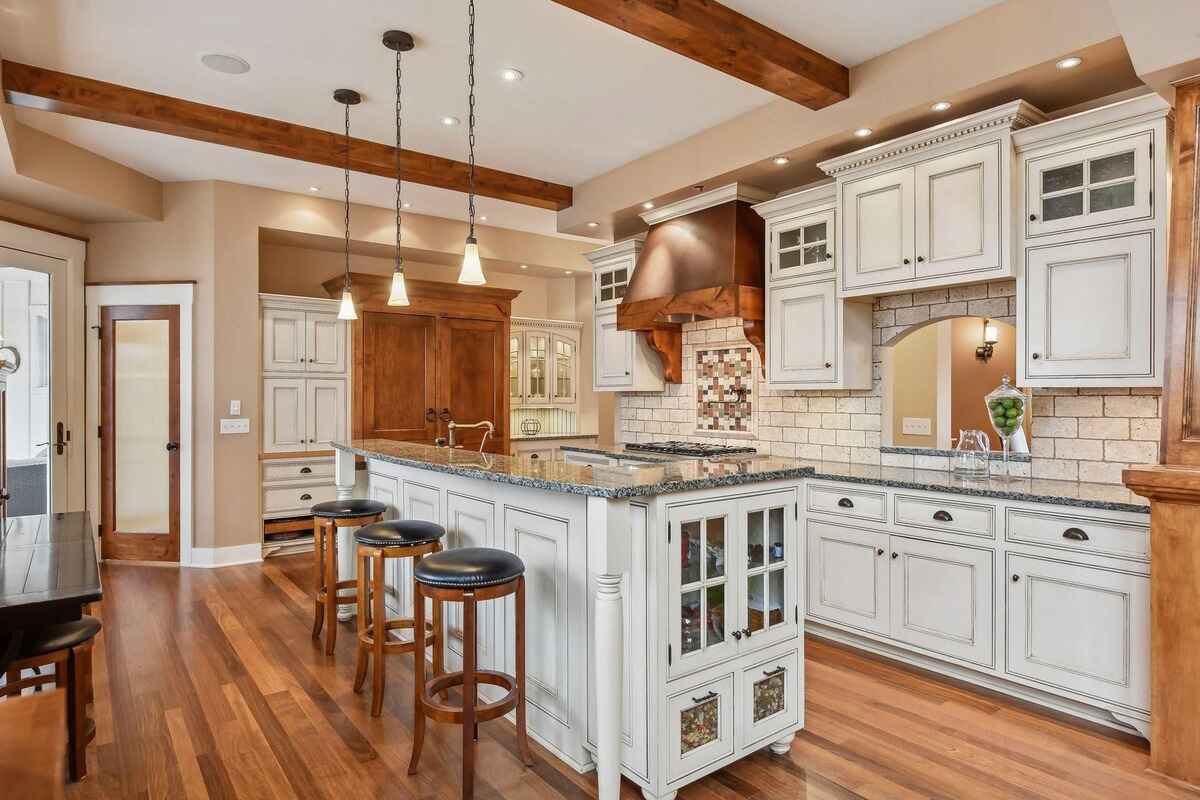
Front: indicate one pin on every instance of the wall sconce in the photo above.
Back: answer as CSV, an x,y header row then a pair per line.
x,y
991,335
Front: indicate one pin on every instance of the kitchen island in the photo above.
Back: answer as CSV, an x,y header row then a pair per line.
x,y
663,611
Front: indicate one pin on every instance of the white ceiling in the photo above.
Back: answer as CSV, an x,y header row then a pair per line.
x,y
593,97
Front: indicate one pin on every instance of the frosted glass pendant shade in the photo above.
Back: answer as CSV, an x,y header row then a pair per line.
x,y
472,269
399,295
346,310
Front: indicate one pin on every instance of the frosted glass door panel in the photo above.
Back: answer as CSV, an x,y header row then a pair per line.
x,y
142,354
25,326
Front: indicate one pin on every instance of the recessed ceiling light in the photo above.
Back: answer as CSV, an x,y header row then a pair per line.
x,y
511,74
450,122
225,63
593,224
940,105
863,133
1070,62
648,205
781,160
406,205
314,188
483,219
524,266
566,272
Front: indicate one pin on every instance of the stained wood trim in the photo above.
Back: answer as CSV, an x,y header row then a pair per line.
x,y
47,90
1181,398
668,343
428,298
721,38
44,229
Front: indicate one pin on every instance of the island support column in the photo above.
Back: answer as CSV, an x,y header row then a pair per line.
x,y
609,529
344,477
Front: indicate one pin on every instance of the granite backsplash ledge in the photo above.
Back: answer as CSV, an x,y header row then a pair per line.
x,y
1087,435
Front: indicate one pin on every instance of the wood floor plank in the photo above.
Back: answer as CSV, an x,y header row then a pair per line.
x,y
209,686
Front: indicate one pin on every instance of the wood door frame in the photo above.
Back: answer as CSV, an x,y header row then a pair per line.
x,y
109,315
179,294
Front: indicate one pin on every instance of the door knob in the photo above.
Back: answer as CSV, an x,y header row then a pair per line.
x,y
172,446
1036,356
60,442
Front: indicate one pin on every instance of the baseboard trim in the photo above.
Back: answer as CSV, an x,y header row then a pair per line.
x,y
210,557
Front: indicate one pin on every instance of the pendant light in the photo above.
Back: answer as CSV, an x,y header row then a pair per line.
x,y
347,97
401,42
472,269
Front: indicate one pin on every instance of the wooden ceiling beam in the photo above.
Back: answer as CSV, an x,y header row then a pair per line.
x,y
48,90
721,38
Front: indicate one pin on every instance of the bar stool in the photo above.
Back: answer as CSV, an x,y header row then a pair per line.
x,y
401,538
468,575
68,646
327,518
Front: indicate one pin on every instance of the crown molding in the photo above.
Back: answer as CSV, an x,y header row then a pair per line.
x,y
819,196
1146,108
625,247
1009,117
699,202
546,324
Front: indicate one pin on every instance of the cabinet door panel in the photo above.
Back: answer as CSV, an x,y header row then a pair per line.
x,y
397,593
848,576
703,596
801,246
877,229
470,522
285,423
325,337
942,598
772,694
537,369
516,368
803,334
563,370
1083,629
614,351
398,383
611,282
958,212
325,403
1089,308
471,381
700,727
283,340
767,527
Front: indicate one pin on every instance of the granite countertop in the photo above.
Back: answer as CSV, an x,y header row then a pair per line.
x,y
594,480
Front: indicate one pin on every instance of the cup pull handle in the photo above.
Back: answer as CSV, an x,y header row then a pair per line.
x,y
306,497
942,516
305,470
845,502
1075,535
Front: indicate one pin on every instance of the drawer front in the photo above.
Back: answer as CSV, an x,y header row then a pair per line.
x,y
700,727
972,519
771,696
297,499
845,502
306,470
1081,534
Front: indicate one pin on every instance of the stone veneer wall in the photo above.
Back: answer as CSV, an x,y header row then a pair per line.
x,y
1077,434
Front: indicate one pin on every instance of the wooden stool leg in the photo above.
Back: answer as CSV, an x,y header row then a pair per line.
x,y
378,636
331,590
319,572
418,737
11,677
360,668
76,716
439,644
522,735
469,730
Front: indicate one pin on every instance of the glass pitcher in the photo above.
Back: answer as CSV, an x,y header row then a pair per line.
x,y
971,454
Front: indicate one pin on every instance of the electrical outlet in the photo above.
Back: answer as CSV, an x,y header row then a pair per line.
x,y
917,426
235,425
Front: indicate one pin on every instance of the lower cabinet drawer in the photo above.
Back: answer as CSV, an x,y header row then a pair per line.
x,y
973,519
843,502
771,695
1102,537
298,469
700,727
297,499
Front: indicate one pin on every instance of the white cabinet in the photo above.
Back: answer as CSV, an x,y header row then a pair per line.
x,y
543,362
612,269
285,420
303,341
621,360
848,576
1080,628
800,245
537,372
1091,301
771,698
614,352
516,368
700,727
942,598
1090,309
930,209
325,411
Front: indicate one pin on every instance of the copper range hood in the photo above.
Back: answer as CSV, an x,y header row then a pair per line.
x,y
703,259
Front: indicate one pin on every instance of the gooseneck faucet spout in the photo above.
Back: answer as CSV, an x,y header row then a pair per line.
x,y
490,431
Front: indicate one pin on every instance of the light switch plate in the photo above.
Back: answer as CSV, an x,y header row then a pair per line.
x,y
235,408
917,426
235,426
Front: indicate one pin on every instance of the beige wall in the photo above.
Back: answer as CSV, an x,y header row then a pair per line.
x,y
915,389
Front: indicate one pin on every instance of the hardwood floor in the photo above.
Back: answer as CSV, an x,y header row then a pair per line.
x,y
209,685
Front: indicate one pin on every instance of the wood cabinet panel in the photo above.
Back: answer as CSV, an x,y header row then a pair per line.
x,y
399,363
472,378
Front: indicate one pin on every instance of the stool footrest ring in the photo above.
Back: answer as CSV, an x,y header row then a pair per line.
x,y
444,712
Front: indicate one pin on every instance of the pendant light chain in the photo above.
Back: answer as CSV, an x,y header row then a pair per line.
x,y
347,173
471,114
399,140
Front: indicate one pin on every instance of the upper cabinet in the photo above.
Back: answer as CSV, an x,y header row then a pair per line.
x,y
303,341
929,209
543,362
622,361
1091,299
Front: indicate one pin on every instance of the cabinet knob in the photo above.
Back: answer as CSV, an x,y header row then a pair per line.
x,y
1036,356
737,635
828,365
626,372
1033,217
906,261
895,555
746,632
920,258
533,456
1016,578
879,552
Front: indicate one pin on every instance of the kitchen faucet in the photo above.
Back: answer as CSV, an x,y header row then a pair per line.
x,y
491,430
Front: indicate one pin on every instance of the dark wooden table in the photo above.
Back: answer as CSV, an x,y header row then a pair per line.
x,y
48,570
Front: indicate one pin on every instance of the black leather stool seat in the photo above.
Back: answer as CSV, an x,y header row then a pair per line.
x,y
342,509
399,533
468,567
40,641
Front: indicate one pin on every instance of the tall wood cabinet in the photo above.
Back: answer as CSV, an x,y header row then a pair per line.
x,y
444,357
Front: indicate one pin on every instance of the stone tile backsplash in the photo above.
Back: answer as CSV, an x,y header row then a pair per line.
x,y
1077,434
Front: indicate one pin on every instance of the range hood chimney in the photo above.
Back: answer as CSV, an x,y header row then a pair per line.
x,y
703,259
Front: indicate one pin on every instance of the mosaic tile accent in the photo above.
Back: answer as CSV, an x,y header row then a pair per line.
x,y
724,389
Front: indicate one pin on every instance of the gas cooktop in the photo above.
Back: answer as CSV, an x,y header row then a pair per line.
x,y
690,449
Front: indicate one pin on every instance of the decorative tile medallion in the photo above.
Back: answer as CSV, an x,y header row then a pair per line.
x,y
724,389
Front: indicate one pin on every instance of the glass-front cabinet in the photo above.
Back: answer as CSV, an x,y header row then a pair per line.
x,y
801,246
516,368
733,567
543,362
564,370
537,385
611,284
